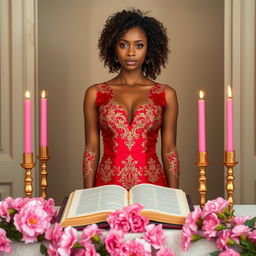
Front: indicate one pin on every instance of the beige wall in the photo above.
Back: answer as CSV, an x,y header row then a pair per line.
x,y
68,63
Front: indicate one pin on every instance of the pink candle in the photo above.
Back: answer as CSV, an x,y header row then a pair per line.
x,y
43,121
229,122
201,123
27,124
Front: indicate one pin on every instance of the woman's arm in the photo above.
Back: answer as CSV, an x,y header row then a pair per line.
x,y
92,141
169,152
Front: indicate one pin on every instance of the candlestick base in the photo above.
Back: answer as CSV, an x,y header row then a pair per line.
x,y
28,165
230,162
202,162
43,157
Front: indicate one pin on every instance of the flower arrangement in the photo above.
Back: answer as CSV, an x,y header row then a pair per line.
x,y
233,235
34,220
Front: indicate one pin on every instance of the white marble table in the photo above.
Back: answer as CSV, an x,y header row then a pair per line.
x,y
200,248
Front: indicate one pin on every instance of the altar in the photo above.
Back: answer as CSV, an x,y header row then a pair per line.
x,y
199,248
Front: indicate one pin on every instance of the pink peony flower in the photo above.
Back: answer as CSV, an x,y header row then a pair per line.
x,y
49,207
210,223
19,202
52,250
136,220
5,243
165,252
114,241
67,240
88,233
240,220
252,235
5,206
239,230
155,235
54,233
138,247
186,237
222,240
229,252
89,250
214,206
119,220
192,219
31,221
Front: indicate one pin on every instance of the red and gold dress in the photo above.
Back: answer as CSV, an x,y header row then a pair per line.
x,y
129,156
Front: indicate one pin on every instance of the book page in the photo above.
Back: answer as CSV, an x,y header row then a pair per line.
x,y
99,199
160,199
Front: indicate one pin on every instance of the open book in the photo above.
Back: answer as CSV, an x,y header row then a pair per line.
x,y
93,205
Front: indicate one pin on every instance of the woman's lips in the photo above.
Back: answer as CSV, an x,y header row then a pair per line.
x,y
130,62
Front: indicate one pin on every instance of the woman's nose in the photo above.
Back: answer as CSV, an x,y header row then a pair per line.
x,y
131,51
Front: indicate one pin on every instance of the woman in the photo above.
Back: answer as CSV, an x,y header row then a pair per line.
x,y
130,109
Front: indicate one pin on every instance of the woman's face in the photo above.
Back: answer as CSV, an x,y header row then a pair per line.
x,y
131,49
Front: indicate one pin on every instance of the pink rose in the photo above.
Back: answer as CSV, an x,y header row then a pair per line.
x,y
54,233
229,252
186,237
239,230
214,206
252,235
223,239
5,243
134,208
240,220
210,223
139,247
114,241
155,235
31,221
192,219
67,240
88,233
165,252
119,220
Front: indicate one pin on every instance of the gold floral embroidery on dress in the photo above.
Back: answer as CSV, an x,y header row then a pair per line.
x,y
173,161
88,161
148,116
159,88
153,170
106,170
129,174
103,88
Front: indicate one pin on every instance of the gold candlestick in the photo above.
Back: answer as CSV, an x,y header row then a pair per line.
x,y
230,162
28,165
202,162
43,157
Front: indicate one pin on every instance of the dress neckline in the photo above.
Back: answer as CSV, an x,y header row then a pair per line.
x,y
130,123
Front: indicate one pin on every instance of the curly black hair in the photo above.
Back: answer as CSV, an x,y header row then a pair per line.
x,y
118,24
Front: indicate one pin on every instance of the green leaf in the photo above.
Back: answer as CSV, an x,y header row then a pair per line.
x,y
43,249
250,223
216,253
227,212
221,215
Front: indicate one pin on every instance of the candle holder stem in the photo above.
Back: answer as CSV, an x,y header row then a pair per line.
x,y
230,162
202,163
43,157
28,165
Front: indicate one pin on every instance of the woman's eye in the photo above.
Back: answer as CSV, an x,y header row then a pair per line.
x,y
139,46
123,45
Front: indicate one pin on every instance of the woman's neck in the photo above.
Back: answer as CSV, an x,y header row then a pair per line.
x,y
130,77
